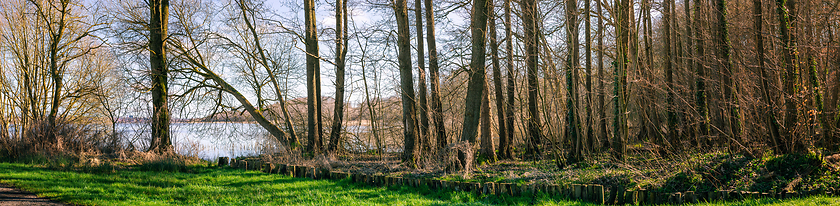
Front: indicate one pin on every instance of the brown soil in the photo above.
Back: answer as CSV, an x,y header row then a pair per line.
x,y
10,196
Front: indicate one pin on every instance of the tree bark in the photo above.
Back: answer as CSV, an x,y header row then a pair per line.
x,y
573,125
159,15
768,110
487,151
620,132
424,139
313,80
410,156
340,63
477,82
506,149
791,82
602,109
497,84
437,107
730,82
701,106
529,21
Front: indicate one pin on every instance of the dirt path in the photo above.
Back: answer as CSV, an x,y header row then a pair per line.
x,y
10,196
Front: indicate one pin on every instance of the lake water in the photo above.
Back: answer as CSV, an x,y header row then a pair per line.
x,y
207,140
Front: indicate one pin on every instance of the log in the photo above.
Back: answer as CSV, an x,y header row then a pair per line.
x,y
641,196
223,161
503,189
577,191
619,195
690,197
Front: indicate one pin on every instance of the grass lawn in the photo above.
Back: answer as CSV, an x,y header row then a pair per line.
x,y
203,186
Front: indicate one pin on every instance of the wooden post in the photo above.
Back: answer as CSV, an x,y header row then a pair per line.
x,y
631,197
577,191
223,161
641,196
690,197
488,188
599,194
243,165
676,199
267,167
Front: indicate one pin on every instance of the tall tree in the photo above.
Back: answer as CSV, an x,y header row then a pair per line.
x,y
768,110
340,63
572,122
590,137
497,83
410,155
669,77
531,30
787,24
506,146
437,107
313,80
602,109
158,26
424,139
730,84
620,130
477,82
700,92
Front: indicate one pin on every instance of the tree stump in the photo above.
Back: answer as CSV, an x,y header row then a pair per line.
x,y
599,194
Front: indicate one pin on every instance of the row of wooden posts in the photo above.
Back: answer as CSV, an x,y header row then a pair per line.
x,y
592,193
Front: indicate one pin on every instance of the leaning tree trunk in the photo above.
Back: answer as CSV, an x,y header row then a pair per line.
x,y
410,156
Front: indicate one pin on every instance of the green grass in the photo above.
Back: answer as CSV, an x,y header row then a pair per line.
x,y
203,186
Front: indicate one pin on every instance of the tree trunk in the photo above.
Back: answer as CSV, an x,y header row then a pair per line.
x,y
506,149
424,139
529,21
701,106
437,107
497,84
340,57
159,14
572,123
602,109
620,78
791,64
669,80
410,156
590,137
769,110
477,82
293,141
313,80
730,82
487,152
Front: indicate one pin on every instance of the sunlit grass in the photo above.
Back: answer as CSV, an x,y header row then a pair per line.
x,y
203,186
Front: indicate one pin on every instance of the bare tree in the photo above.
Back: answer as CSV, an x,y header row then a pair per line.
x,y
410,155
340,59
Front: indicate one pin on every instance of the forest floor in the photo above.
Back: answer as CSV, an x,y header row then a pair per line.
x,y
695,172
202,185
